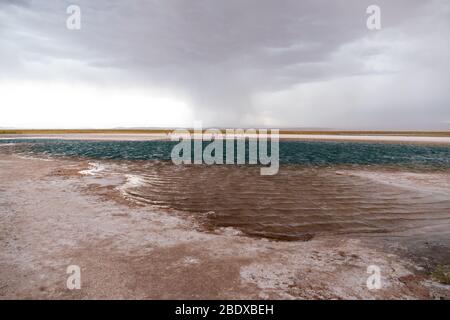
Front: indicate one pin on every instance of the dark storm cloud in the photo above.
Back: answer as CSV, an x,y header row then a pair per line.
x,y
222,53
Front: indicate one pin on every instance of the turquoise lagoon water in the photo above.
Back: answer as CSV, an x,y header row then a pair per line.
x,y
291,152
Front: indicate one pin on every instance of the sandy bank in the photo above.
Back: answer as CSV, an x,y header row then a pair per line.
x,y
431,183
299,137
370,138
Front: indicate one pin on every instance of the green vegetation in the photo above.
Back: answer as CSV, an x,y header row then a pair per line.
x,y
442,274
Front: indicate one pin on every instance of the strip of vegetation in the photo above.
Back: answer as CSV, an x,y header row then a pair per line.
x,y
442,274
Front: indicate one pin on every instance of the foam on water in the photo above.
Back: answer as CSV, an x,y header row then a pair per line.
x,y
132,181
34,158
94,169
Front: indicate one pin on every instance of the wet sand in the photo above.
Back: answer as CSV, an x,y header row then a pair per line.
x,y
51,216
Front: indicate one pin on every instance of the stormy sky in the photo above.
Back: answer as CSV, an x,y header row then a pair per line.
x,y
234,63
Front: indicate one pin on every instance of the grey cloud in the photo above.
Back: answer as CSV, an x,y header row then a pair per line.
x,y
221,53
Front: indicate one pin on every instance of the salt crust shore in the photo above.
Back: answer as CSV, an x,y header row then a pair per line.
x,y
431,183
51,217
299,137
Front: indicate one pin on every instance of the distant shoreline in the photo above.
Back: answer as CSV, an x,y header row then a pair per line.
x,y
441,138
282,132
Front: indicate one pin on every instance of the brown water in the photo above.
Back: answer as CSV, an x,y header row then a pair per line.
x,y
296,204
